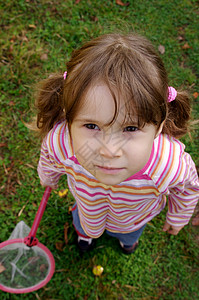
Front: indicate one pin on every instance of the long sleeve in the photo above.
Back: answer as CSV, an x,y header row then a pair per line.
x,y
183,193
49,170
53,155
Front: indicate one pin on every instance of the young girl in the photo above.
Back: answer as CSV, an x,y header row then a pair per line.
x,y
111,123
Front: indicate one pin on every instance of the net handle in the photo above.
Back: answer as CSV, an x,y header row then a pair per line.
x,y
40,212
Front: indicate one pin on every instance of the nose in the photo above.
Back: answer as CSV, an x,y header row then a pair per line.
x,y
110,149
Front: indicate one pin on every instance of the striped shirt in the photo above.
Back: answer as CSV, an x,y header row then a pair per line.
x,y
127,206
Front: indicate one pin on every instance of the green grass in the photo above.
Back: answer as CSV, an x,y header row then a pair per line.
x,y
163,267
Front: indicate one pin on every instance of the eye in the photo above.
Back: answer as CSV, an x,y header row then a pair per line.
x,y
130,128
91,126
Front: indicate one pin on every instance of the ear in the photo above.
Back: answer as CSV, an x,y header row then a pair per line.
x,y
159,129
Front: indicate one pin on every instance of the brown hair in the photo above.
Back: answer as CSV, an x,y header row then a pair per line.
x,y
130,67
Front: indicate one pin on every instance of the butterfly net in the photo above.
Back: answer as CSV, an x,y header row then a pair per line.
x,y
23,267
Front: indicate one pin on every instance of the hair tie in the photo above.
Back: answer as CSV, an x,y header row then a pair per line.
x,y
65,74
172,93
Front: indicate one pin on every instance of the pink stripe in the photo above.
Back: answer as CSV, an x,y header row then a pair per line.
x,y
164,173
156,160
179,164
52,143
84,191
62,141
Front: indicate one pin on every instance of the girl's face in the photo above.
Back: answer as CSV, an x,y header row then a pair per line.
x,y
111,153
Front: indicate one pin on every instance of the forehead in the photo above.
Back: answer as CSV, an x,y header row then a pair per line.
x,y
99,104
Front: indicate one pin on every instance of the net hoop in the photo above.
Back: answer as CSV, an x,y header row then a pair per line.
x,y
34,287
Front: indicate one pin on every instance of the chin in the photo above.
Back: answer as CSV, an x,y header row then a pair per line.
x,y
109,181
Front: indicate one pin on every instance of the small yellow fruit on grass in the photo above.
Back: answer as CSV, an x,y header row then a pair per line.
x,y
98,270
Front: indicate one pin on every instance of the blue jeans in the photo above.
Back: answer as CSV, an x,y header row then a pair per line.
x,y
128,239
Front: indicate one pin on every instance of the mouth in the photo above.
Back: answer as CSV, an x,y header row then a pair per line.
x,y
109,170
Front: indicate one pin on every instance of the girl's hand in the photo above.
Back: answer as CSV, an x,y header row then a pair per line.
x,y
171,229
195,221
54,187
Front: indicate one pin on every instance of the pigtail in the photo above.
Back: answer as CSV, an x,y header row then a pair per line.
x,y
49,103
179,112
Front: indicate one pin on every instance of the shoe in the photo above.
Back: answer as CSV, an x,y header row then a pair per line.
x,y
84,244
129,249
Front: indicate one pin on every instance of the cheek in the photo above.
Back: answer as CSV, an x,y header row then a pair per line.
x,y
77,140
82,145
145,152
139,152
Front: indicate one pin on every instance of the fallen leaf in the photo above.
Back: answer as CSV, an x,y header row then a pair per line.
x,y
18,181
24,38
195,95
44,56
66,226
70,210
20,212
59,246
186,46
61,270
13,39
94,18
2,268
11,48
77,1
161,49
54,9
119,2
180,38
32,26
63,193
155,261
32,260
130,286
28,165
3,145
42,268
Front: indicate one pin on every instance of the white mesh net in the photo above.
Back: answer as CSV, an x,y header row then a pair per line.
x,y
21,231
22,266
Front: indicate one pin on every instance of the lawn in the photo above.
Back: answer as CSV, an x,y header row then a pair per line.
x,y
37,38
